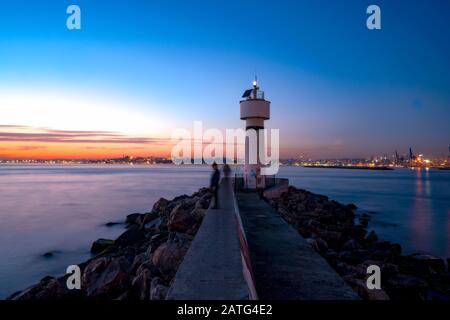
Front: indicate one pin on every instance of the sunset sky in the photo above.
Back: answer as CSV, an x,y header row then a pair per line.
x,y
137,70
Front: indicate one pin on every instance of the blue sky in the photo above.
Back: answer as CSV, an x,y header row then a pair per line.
x,y
337,89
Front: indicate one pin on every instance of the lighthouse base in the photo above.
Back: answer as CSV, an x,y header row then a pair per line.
x,y
253,178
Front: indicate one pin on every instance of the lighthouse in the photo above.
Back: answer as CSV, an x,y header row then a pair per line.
x,y
255,109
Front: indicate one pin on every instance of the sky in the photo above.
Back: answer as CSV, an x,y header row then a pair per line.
x,y
138,70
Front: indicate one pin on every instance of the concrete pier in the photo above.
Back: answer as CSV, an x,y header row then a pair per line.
x,y
245,250
285,266
213,268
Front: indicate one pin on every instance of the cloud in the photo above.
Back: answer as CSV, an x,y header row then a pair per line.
x,y
45,135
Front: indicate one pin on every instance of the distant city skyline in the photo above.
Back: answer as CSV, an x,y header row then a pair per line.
x,y
137,70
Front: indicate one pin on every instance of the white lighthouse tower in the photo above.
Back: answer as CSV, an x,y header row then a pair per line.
x,y
254,110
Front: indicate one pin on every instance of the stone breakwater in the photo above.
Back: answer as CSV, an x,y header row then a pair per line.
x,y
141,263
350,248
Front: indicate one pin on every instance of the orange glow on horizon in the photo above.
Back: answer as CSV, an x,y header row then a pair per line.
x,y
27,143
40,151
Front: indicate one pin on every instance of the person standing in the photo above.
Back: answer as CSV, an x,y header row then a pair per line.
x,y
226,170
214,185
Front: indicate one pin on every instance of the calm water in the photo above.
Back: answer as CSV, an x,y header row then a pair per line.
x,y
62,209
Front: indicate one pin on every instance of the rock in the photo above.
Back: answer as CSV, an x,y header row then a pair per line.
x,y
364,221
134,218
159,236
111,224
148,265
421,265
106,277
388,270
124,296
319,245
351,244
158,290
48,255
354,257
131,237
141,284
100,245
372,237
330,255
330,237
137,262
394,248
407,286
128,253
203,202
198,213
153,225
435,264
360,287
160,206
48,289
345,269
312,224
180,219
352,206
354,232
169,255
151,220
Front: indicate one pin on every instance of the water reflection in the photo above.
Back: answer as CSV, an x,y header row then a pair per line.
x,y
421,213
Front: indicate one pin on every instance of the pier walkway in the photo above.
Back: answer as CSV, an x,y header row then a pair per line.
x,y
285,266
213,268
245,250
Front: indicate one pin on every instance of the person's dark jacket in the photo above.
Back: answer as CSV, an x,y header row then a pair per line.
x,y
215,178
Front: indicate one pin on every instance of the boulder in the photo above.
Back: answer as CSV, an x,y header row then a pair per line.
x,y
49,254
364,221
106,277
148,265
100,245
421,264
141,284
435,264
360,287
354,232
372,237
111,224
137,262
169,255
134,218
153,225
160,205
158,291
319,245
351,244
404,286
124,296
198,213
131,237
345,269
48,289
180,219
388,270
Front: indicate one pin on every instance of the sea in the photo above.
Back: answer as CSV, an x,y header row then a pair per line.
x,y
51,214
